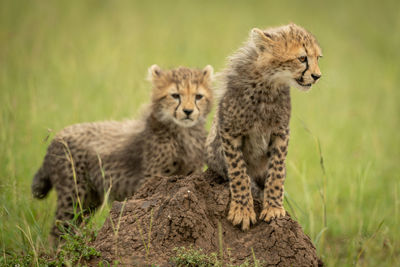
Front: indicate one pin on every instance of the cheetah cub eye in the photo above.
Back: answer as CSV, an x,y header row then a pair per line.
x,y
302,59
176,96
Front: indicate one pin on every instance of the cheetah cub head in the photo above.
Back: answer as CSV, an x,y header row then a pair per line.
x,y
183,95
287,55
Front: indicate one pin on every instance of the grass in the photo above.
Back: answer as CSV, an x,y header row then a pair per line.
x,y
74,250
64,62
145,244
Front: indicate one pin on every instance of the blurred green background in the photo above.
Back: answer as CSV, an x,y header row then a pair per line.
x,y
64,62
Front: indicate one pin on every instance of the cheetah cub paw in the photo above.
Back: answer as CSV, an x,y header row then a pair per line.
x,y
240,214
269,213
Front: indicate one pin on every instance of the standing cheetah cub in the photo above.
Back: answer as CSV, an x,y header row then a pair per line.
x,y
86,160
249,138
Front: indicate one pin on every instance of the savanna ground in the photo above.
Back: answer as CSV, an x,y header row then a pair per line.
x,y
63,62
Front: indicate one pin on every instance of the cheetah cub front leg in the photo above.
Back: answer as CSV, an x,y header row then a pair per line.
x,y
241,210
274,183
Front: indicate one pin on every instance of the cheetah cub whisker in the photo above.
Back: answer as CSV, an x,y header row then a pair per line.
x,y
248,142
86,160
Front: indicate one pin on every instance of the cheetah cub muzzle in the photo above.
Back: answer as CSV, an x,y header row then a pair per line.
x,y
248,142
85,162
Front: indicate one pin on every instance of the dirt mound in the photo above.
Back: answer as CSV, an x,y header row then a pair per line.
x,y
183,211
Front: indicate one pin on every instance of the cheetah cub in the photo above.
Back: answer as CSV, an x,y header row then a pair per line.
x,y
248,142
86,160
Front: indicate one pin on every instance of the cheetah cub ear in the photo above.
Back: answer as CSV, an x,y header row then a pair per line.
x,y
262,40
155,72
208,72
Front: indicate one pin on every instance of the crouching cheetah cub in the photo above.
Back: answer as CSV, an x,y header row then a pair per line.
x,y
84,161
248,142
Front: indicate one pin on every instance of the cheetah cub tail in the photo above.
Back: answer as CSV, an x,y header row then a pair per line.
x,y
41,184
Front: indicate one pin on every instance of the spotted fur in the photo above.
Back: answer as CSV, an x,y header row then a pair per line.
x,y
86,160
248,142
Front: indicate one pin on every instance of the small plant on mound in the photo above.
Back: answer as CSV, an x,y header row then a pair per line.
x,y
13,259
196,257
74,248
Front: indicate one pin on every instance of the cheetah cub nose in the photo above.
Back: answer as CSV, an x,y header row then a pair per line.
x,y
315,76
188,111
